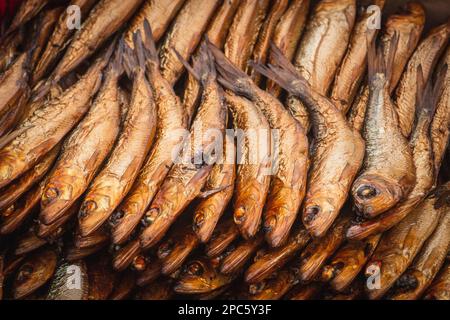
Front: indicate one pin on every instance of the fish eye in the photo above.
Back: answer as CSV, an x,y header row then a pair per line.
x,y
165,249
51,193
311,213
239,215
366,192
86,208
199,219
25,272
195,269
116,217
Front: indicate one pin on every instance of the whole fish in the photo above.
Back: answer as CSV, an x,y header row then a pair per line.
x,y
290,157
171,122
421,146
184,36
158,13
322,48
34,272
337,150
218,190
104,20
70,282
27,11
216,32
351,71
10,193
287,34
130,150
420,274
399,246
243,32
426,55
440,126
440,288
101,277
270,261
261,49
388,174
40,132
225,233
187,177
59,37
236,258
85,148
408,25
348,261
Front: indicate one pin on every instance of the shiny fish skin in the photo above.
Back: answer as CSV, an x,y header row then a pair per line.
x,y
27,242
158,13
351,71
225,233
58,38
421,146
287,34
269,261
261,49
419,275
291,160
2,273
348,261
184,36
44,230
105,18
185,179
13,191
322,48
60,288
399,246
337,152
171,120
84,149
408,25
216,32
34,272
388,174
440,288
221,182
135,139
252,182
243,32
236,258
47,125
426,55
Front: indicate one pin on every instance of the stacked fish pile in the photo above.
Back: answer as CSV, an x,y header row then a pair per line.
x,y
257,149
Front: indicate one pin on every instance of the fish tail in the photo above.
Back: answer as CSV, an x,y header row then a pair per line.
x,y
283,73
116,64
129,60
377,62
151,54
139,49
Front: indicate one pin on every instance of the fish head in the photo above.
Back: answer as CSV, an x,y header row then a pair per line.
x,y
319,213
94,211
374,194
198,276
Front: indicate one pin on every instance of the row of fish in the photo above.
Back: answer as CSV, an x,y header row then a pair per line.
x,y
110,188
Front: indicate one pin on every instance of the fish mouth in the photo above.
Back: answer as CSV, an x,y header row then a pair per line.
x,y
318,216
373,195
247,220
277,228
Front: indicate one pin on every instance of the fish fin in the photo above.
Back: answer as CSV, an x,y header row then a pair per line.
x,y
377,62
90,165
206,193
151,53
130,171
283,73
43,147
139,49
116,63
129,61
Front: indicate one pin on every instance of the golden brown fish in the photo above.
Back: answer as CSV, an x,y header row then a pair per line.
x,y
44,230
348,261
440,288
39,133
269,261
236,258
216,32
118,174
388,174
337,151
253,163
184,36
104,20
126,255
244,30
261,49
352,69
27,11
59,37
99,236
322,48
425,56
218,191
408,25
28,241
287,33
171,120
420,274
74,254
85,148
34,272
399,246
158,13
187,177
421,146
223,235
10,193
290,160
